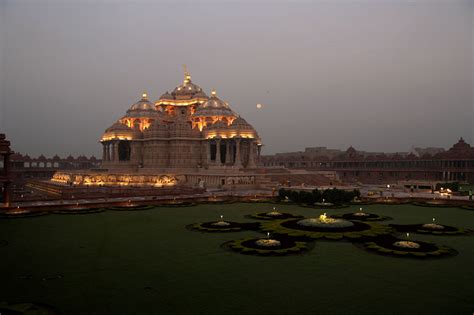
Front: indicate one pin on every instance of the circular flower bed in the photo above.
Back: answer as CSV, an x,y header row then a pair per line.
x,y
178,204
267,243
324,204
27,308
404,248
130,207
429,228
223,226
79,210
406,244
328,223
351,230
267,246
21,213
273,215
327,205
467,207
434,204
361,216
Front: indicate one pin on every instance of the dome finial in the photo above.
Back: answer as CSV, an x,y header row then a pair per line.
x,y
187,76
144,95
213,92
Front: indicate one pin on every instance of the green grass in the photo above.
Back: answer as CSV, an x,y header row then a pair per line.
x,y
147,262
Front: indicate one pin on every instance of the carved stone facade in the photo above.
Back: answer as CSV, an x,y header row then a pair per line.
x,y
185,136
184,129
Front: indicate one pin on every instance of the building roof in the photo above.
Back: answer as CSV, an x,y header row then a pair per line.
x,y
214,106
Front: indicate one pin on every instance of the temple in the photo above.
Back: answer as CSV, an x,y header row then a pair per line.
x,y
185,137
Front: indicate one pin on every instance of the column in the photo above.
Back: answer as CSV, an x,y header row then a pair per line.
x,y
218,152
116,153
208,152
104,152
112,151
259,152
228,156
107,153
251,163
237,162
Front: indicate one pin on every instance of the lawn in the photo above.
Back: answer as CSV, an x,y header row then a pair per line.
x,y
147,262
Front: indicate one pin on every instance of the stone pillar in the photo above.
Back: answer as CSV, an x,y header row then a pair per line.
x,y
251,163
218,152
107,151
228,156
208,152
104,151
112,149
237,162
117,150
259,152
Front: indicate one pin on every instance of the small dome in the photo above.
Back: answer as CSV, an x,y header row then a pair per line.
x,y
118,126
243,128
240,123
166,96
120,131
143,104
214,106
143,109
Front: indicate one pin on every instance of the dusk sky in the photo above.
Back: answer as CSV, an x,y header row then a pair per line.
x,y
378,75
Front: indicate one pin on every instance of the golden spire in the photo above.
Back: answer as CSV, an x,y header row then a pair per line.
x,y
213,92
187,76
144,95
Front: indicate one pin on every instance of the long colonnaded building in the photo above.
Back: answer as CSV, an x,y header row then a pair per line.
x,y
184,138
429,165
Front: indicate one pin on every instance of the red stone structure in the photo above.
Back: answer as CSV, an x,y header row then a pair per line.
x,y
455,164
24,168
5,181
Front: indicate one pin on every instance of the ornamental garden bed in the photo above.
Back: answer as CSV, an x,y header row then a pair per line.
x,y
434,229
326,206
386,246
368,217
79,211
284,246
26,308
22,214
358,230
131,207
269,216
177,204
467,207
431,204
219,226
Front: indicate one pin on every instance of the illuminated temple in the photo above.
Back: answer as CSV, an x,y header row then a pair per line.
x,y
185,137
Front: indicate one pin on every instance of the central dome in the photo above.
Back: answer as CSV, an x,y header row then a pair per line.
x,y
187,90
